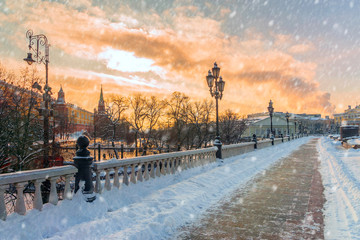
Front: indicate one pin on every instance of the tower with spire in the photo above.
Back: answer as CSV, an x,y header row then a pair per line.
x,y
61,96
101,105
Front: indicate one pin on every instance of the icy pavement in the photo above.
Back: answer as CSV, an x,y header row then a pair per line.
x,y
154,209
284,202
341,178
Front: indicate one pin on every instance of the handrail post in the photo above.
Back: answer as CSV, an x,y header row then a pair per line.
x,y
82,162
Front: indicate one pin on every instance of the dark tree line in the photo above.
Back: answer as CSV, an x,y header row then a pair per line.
x,y
178,122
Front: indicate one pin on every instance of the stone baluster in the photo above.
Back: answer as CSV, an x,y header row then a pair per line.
x,y
168,163
2,202
116,178
38,203
53,198
20,203
67,190
183,162
177,164
173,160
140,173
98,182
146,173
163,167
191,159
194,159
107,180
152,171
132,174
126,177
157,168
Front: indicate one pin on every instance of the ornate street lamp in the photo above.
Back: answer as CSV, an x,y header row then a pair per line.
x,y
271,111
217,92
287,121
35,42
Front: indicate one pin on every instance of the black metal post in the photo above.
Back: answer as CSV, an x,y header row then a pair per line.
x,y
271,125
217,141
122,151
255,141
99,152
82,162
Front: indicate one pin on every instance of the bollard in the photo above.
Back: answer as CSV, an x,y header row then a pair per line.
x,y
82,162
255,141
99,152
282,138
122,151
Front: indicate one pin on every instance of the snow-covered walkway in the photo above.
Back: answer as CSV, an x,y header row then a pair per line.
x,y
148,210
341,178
158,208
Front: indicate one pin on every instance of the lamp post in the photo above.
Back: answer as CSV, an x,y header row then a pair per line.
x,y
271,111
35,42
217,92
287,122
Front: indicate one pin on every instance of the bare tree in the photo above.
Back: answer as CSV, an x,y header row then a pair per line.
x,y
200,119
137,116
177,113
115,108
19,119
231,127
154,109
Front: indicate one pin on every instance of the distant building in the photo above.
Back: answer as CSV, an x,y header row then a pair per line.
x,y
260,124
350,116
70,118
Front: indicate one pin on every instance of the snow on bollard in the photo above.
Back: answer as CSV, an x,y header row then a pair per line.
x,y
82,162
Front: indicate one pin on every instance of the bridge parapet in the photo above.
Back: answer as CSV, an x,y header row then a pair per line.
x,y
146,167
133,170
20,179
236,149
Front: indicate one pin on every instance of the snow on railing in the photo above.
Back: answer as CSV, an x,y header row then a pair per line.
x,y
133,170
146,167
236,149
264,143
20,179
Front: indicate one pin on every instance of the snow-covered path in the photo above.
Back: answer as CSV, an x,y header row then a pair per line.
x,y
341,178
148,210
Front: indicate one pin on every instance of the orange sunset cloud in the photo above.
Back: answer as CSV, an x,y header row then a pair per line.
x,y
156,54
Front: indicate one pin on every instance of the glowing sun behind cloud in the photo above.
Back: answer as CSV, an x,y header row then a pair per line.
x,y
127,61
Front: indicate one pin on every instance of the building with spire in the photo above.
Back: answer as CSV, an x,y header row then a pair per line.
x,y
101,105
70,118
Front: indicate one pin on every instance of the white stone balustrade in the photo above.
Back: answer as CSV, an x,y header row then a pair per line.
x,y
264,143
20,179
143,168
134,170
236,149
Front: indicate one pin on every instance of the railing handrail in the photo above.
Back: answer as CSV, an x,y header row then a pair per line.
x,y
142,159
237,145
30,175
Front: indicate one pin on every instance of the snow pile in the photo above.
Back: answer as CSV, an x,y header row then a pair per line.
x,y
354,141
154,209
340,169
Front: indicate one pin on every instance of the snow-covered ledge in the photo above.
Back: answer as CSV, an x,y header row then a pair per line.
x,y
236,149
20,179
151,166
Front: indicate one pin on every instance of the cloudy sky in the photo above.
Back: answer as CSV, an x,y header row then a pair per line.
x,y
304,55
